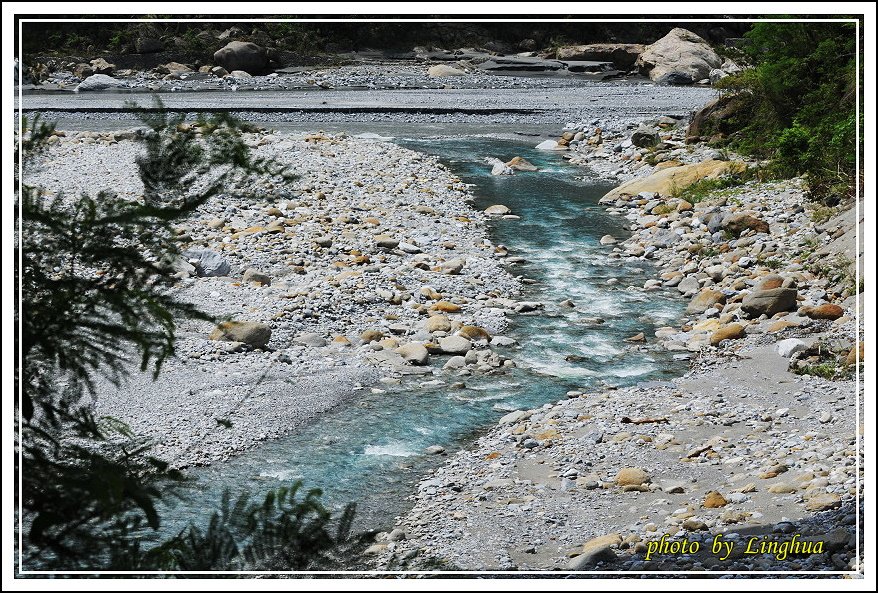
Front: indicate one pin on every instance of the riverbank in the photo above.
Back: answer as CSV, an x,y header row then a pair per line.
x,y
758,438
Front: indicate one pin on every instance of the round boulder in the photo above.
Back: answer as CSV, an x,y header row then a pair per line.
x,y
474,332
455,345
437,323
251,333
680,57
242,55
704,300
631,476
414,353
732,331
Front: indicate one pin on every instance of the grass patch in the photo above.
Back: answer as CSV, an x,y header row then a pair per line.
x,y
821,214
826,370
839,270
706,188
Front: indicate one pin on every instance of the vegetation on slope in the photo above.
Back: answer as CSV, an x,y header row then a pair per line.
x,y
797,105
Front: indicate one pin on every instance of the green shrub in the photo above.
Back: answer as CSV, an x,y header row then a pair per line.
x,y
797,105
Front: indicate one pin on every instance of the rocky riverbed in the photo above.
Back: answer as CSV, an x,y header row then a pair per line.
x,y
371,266
373,269
758,442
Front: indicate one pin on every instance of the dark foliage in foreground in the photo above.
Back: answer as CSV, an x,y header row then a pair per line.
x,y
95,276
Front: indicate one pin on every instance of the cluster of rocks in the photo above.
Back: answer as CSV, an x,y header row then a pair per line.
x,y
679,58
236,61
623,151
178,76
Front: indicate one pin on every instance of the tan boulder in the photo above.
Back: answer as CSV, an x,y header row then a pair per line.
x,y
852,355
823,502
445,307
829,311
437,323
732,331
520,164
631,476
672,180
474,332
371,335
714,500
704,300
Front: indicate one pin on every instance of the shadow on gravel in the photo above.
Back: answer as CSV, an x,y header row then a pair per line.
x,y
821,546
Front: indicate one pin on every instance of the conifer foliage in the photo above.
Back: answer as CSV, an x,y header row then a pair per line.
x,y
95,301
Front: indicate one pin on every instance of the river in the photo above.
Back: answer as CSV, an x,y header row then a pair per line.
x,y
371,450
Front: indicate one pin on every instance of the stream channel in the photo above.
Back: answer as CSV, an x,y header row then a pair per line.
x,y
371,449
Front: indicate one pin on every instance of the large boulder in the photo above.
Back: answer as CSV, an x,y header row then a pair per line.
x,y
631,476
454,345
498,166
622,55
437,323
645,137
474,332
550,145
207,262
596,551
497,210
732,331
773,294
102,66
786,348
738,222
242,55
829,311
251,333
674,179
705,299
713,122
148,45
440,70
414,353
173,68
99,82
680,57
83,71
521,164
